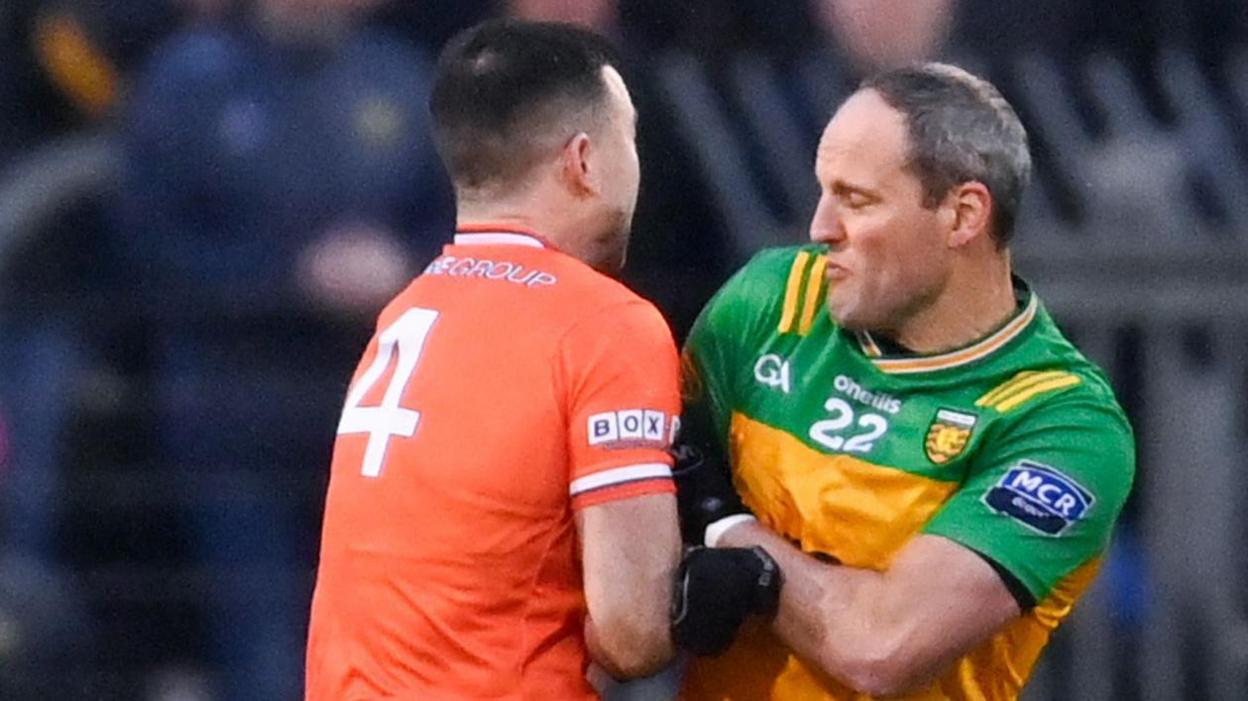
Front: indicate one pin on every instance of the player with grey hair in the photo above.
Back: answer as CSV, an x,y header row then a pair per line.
x,y
960,129
894,417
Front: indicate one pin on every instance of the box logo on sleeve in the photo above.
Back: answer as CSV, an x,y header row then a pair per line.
x,y
631,428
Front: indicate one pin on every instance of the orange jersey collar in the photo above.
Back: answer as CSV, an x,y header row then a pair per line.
x,y
500,234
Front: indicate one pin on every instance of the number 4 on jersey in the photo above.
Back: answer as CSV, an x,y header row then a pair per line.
x,y
388,418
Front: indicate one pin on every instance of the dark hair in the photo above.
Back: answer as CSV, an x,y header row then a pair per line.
x,y
960,129
501,83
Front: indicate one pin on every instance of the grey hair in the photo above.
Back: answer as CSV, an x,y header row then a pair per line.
x,y
960,129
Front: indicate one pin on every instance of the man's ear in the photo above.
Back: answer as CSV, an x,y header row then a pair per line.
x,y
575,166
969,213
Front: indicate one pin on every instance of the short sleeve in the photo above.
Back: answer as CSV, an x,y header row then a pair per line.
x,y
735,318
620,372
1043,497
706,378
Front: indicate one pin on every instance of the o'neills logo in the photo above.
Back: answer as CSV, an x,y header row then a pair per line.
x,y
879,400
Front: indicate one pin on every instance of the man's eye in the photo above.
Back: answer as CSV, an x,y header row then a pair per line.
x,y
856,200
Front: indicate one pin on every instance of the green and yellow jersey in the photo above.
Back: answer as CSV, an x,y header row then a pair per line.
x,y
1013,446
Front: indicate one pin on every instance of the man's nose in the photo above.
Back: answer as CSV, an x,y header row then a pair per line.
x,y
825,226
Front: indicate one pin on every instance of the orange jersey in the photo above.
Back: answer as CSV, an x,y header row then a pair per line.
x,y
506,387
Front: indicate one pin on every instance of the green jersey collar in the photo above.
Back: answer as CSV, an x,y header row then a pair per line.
x,y
978,350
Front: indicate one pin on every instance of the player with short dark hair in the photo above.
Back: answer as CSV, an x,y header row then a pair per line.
x,y
933,466
502,94
500,508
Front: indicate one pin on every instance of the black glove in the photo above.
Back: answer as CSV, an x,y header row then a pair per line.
x,y
704,492
716,590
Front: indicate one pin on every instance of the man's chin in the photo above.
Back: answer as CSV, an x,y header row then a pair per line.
x,y
841,316
850,321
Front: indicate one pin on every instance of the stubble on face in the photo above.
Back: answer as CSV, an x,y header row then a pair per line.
x,y
883,247
621,186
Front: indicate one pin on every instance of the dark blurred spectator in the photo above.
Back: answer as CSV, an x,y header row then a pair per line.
x,y
1132,28
254,148
64,64
280,186
431,22
63,67
874,35
676,255
45,651
87,47
599,15
716,30
30,106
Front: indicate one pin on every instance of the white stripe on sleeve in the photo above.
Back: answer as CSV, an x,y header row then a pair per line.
x,y
619,475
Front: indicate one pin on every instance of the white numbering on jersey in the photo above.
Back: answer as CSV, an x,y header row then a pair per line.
x,y
388,419
828,432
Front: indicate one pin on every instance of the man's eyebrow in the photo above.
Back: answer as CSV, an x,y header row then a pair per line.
x,y
841,187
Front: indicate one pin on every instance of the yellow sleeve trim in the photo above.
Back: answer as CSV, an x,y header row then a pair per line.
x,y
1049,386
814,285
1010,385
792,291
1024,386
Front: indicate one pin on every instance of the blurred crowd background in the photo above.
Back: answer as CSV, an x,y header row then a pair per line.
x,y
203,204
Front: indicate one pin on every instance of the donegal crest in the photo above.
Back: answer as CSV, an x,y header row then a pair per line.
x,y
948,435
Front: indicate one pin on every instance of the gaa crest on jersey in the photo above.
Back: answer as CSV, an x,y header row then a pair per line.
x,y
948,435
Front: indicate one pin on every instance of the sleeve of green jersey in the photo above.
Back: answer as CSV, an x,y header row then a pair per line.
x,y
724,332
706,370
1041,498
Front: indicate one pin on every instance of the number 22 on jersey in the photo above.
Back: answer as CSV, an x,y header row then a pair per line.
x,y
826,432
388,419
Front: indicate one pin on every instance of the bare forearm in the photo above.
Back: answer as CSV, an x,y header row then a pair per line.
x,y
888,632
632,639
630,552
824,613
623,659
597,653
